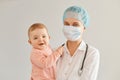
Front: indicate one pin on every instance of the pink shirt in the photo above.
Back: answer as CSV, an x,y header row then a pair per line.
x,y
44,64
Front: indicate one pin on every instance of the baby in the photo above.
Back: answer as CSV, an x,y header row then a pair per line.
x,y
42,57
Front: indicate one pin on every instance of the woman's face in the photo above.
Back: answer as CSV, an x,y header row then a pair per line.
x,y
74,23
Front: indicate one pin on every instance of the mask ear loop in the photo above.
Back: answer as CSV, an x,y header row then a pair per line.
x,y
81,69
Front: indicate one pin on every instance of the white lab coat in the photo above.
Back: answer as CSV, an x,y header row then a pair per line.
x,y
69,66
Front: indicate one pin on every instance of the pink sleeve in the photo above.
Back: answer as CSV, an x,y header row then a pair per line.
x,y
43,61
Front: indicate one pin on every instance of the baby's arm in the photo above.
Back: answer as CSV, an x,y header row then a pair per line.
x,y
43,61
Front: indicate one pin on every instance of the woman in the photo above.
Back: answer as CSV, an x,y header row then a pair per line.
x,y
79,61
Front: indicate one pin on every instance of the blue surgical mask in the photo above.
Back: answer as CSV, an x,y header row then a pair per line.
x,y
72,33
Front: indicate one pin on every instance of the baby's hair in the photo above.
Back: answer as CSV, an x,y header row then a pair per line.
x,y
36,26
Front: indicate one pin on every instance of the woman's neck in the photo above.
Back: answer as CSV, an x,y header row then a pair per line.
x,y
72,46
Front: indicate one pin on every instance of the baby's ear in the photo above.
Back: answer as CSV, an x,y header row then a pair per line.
x,y
29,41
49,37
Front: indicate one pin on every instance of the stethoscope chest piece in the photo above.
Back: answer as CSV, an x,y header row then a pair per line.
x,y
79,72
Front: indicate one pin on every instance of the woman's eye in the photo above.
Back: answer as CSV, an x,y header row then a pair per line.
x,y
66,23
76,24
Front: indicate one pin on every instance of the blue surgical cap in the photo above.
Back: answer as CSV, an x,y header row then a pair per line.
x,y
78,13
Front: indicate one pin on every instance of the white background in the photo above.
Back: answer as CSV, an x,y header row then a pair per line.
x,y
17,15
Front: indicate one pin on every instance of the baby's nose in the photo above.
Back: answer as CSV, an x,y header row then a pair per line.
x,y
40,39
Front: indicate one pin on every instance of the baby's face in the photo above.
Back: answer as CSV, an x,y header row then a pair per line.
x,y
39,38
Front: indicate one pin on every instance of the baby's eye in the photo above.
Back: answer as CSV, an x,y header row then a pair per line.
x,y
44,36
35,38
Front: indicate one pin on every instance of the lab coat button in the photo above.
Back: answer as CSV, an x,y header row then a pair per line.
x,y
65,73
69,64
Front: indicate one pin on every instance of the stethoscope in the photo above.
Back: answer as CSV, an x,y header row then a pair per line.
x,y
81,68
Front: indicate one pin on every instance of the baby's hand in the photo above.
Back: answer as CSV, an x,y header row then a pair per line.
x,y
63,44
60,49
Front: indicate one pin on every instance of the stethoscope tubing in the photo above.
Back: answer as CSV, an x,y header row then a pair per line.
x,y
81,68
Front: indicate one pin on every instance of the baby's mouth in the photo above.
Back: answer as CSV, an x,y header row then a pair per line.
x,y
41,44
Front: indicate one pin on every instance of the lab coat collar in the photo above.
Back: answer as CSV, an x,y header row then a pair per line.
x,y
81,47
